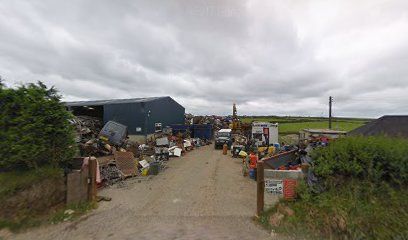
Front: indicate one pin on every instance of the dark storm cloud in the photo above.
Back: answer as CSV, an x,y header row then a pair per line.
x,y
270,57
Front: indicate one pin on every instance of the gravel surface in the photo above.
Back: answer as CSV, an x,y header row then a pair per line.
x,y
201,195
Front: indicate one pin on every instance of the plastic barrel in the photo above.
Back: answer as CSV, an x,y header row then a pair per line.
x,y
225,149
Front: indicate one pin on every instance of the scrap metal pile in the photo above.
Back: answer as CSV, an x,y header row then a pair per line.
x,y
146,159
290,158
119,158
218,122
86,128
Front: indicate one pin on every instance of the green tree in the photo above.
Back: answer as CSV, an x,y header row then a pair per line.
x,y
34,127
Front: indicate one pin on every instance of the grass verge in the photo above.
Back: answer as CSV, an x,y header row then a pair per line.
x,y
67,213
354,211
11,182
71,212
16,181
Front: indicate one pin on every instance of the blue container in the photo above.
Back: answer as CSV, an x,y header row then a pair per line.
x,y
180,128
252,173
202,131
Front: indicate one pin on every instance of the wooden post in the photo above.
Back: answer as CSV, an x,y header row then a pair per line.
x,y
260,188
92,179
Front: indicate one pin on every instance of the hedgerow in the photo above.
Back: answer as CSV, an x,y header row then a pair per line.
x,y
375,159
362,192
34,128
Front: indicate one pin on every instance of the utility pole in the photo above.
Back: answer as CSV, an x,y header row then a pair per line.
x,y
330,111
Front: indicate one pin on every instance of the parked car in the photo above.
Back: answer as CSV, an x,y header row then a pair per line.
x,y
222,137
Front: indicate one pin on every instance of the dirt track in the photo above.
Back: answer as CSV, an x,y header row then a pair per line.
x,y
200,196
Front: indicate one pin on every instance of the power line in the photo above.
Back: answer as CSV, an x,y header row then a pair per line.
x,y
373,99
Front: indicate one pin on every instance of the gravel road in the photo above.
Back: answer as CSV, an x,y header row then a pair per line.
x,y
201,195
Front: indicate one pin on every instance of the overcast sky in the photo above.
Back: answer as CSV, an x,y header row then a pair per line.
x,y
270,57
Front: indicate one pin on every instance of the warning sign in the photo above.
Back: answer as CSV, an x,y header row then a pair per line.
x,y
274,186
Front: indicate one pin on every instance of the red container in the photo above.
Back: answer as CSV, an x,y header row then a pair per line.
x,y
289,188
253,159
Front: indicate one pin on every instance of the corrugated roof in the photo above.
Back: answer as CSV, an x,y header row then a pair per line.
x,y
111,101
392,126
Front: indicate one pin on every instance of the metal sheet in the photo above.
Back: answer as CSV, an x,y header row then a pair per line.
x,y
278,160
126,163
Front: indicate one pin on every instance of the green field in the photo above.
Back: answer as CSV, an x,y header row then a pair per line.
x,y
292,125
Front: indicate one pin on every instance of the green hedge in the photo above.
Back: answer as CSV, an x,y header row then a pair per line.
x,y
34,128
362,192
375,159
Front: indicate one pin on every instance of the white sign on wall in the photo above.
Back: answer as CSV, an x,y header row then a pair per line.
x,y
274,186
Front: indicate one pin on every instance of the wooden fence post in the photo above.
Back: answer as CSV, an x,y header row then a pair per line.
x,y
260,188
92,178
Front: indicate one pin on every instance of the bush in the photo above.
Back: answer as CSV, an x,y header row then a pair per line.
x,y
34,128
365,194
375,159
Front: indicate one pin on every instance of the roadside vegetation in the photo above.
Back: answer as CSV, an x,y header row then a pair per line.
x,y
361,193
292,125
62,214
34,128
36,141
14,181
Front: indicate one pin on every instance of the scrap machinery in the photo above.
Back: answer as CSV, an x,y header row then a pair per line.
x,y
236,124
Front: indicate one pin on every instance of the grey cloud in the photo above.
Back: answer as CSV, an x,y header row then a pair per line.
x,y
270,57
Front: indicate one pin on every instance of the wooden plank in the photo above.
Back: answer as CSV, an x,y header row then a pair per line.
x,y
77,187
92,177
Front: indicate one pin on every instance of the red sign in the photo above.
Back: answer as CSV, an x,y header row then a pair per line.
x,y
266,131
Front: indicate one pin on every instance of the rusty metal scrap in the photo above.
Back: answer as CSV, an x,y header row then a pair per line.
x,y
125,162
86,127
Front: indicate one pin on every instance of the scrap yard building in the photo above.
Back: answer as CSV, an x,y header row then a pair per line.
x,y
140,115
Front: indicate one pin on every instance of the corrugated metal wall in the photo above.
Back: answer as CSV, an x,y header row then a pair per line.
x,y
165,111
129,114
134,115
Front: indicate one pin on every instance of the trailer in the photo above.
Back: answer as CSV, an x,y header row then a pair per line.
x,y
264,133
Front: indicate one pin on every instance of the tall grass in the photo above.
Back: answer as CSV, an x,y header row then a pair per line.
x,y
11,182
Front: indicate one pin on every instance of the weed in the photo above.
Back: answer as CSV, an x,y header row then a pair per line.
x,y
71,212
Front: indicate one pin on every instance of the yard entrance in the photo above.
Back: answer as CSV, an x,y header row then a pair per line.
x,y
201,195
